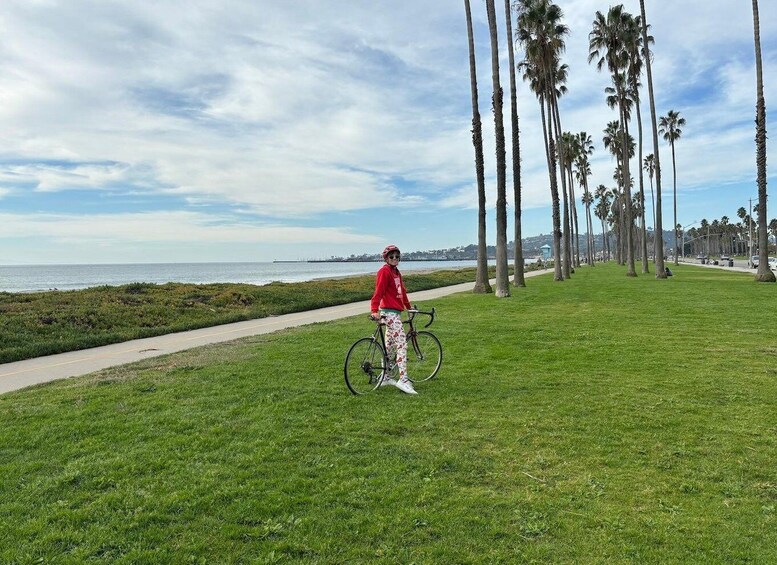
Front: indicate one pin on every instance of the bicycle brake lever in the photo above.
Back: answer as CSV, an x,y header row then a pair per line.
x,y
431,317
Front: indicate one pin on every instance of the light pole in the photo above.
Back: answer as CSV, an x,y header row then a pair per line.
x,y
683,233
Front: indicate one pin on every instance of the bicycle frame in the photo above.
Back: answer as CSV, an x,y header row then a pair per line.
x,y
412,335
373,360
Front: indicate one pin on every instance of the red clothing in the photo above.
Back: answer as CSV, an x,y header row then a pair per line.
x,y
390,292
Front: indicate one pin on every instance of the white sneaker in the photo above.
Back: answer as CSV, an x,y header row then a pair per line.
x,y
387,381
406,386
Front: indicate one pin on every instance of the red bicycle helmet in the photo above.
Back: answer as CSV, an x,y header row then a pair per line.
x,y
389,249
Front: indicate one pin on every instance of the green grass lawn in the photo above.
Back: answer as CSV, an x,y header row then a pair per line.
x,y
601,419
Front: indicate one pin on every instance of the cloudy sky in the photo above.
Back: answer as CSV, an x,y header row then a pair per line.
x,y
253,130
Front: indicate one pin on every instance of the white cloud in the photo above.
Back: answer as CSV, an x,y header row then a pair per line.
x,y
356,107
182,227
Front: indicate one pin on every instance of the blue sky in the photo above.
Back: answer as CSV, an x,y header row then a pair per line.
x,y
261,130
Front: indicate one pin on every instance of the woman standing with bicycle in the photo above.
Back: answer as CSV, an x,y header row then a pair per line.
x,y
388,302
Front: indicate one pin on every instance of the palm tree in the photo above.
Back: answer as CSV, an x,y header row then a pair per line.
x,y
744,224
542,36
634,50
567,155
670,126
602,206
560,77
588,199
617,98
659,223
607,45
583,171
637,206
610,141
726,228
482,285
574,154
613,140
502,277
649,166
615,219
518,267
533,75
764,272
704,228
715,230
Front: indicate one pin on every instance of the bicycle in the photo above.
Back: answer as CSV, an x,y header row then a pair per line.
x,y
367,362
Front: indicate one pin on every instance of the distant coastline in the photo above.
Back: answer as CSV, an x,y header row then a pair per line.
x,y
375,260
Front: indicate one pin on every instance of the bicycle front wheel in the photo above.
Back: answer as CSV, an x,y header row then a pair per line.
x,y
364,366
424,356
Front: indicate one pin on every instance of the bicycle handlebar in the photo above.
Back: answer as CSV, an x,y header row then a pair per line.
x,y
412,312
431,314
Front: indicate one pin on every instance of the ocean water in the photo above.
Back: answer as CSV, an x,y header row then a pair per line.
x,y
32,278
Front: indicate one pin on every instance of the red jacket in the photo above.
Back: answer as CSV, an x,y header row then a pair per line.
x,y
390,291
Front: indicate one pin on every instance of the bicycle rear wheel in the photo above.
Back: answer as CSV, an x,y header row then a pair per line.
x,y
364,366
424,356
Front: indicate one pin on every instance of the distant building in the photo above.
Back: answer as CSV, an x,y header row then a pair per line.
x,y
546,252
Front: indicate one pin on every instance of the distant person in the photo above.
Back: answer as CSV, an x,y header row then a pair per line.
x,y
668,272
388,302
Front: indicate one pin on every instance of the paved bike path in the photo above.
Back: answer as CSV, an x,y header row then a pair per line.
x,y
20,374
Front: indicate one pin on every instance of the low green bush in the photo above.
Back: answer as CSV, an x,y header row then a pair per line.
x,y
43,323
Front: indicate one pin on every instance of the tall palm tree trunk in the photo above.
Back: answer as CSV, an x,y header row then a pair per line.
x,y
674,193
518,268
629,220
551,162
645,266
502,277
620,254
574,225
591,240
659,224
764,272
550,150
653,204
482,285
567,250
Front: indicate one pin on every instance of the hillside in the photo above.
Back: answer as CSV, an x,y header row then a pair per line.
x,y
531,248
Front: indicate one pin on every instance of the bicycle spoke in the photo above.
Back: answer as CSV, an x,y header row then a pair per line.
x,y
424,356
364,366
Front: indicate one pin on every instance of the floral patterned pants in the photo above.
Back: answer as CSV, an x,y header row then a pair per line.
x,y
396,341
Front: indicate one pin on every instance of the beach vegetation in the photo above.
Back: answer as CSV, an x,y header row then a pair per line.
x,y
44,323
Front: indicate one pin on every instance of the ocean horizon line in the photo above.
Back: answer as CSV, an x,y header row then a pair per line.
x,y
60,277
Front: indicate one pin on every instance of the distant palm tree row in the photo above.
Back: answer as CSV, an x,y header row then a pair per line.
x,y
721,237
618,42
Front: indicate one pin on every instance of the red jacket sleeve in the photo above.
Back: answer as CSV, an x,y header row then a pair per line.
x,y
381,281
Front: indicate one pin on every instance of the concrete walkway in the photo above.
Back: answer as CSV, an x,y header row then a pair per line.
x,y
20,374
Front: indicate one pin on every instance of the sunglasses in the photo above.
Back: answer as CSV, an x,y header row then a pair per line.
x,y
393,255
